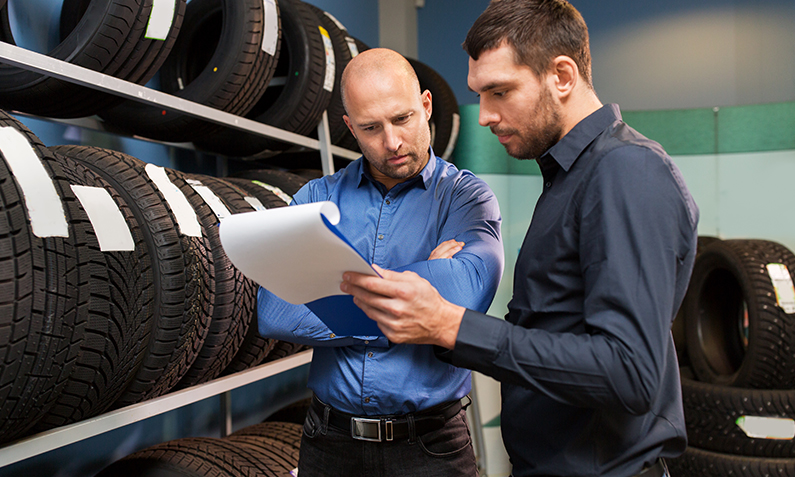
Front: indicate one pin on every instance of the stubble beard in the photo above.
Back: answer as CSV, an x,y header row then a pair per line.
x,y
542,132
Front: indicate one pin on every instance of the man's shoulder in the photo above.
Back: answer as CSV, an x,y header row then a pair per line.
x,y
320,188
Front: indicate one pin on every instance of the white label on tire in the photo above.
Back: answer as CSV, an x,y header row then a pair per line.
x,y
113,233
766,427
782,284
270,32
45,210
336,22
279,193
254,202
160,19
352,46
212,200
331,64
187,221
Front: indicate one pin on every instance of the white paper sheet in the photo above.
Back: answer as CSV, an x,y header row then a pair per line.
x,y
292,251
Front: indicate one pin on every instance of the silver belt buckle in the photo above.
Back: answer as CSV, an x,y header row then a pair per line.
x,y
364,429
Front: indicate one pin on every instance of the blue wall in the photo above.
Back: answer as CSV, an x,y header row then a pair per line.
x,y
650,54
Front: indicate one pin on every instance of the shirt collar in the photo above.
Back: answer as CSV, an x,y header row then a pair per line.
x,y
568,149
426,174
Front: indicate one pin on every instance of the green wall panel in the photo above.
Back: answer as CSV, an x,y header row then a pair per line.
x,y
756,128
480,151
682,132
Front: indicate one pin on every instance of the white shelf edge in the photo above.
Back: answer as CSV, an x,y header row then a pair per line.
x,y
55,438
33,61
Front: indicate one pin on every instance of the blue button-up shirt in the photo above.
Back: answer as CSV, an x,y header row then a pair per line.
x,y
590,380
397,229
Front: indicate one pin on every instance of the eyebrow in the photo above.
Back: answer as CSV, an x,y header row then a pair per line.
x,y
488,87
395,116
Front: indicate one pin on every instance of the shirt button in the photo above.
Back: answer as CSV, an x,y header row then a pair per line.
x,y
367,399
381,237
370,354
549,184
366,341
388,202
332,335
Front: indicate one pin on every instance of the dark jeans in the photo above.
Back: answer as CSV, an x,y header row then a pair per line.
x,y
327,452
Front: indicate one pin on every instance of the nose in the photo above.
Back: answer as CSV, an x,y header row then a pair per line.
x,y
487,116
392,140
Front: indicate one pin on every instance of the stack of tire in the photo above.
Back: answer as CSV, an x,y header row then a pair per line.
x,y
737,331
114,287
278,63
262,450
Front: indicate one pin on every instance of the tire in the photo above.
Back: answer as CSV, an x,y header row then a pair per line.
x,y
348,141
445,120
235,295
299,104
264,192
286,455
711,413
254,347
120,314
180,321
195,457
282,349
231,78
43,299
729,282
286,182
103,35
294,413
342,56
678,327
700,463
286,432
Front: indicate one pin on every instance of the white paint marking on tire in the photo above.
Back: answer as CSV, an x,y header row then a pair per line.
x,y
212,200
160,19
113,233
782,284
187,221
254,202
280,193
270,32
45,209
758,427
331,64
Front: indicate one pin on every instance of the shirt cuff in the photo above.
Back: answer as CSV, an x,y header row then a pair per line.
x,y
478,341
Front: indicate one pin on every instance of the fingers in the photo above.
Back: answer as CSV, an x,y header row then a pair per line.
x,y
446,249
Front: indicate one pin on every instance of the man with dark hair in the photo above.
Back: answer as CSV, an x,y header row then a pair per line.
x,y
590,381
381,408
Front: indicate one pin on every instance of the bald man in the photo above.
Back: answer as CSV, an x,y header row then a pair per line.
x,y
380,408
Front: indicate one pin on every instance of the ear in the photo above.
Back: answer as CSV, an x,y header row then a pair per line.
x,y
427,104
348,123
564,76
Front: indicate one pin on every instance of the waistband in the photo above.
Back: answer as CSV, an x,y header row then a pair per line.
x,y
391,427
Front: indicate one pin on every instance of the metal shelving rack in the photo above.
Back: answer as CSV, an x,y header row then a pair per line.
x,y
49,440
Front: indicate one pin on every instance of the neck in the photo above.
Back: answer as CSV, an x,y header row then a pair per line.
x,y
582,103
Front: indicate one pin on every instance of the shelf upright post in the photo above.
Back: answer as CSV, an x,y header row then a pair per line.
x,y
226,413
324,137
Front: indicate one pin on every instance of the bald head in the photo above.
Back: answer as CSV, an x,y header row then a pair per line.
x,y
376,65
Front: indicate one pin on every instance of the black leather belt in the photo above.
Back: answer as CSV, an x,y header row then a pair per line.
x,y
658,469
388,428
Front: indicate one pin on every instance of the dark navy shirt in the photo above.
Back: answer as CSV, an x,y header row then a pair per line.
x,y
397,229
590,382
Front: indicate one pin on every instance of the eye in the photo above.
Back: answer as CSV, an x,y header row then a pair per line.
x,y
499,94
